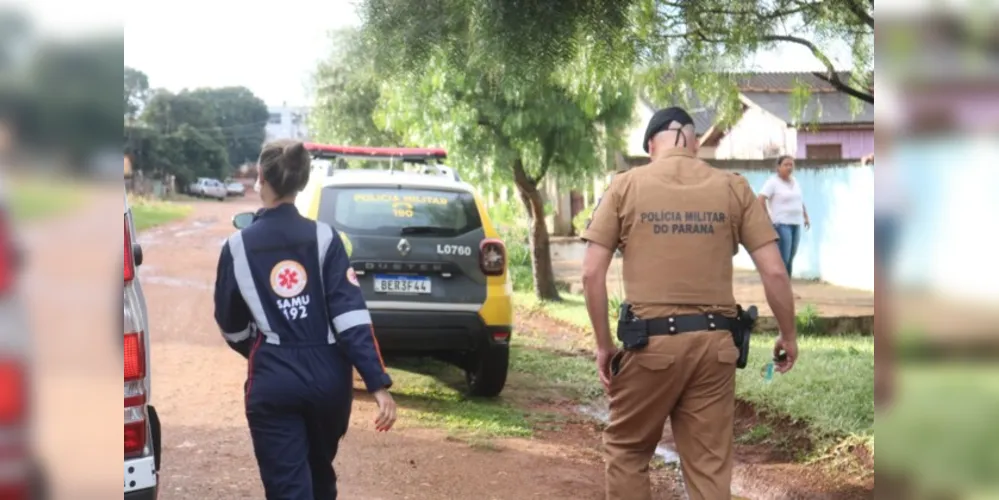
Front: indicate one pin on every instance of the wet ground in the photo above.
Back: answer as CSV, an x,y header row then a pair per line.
x,y
198,391
197,388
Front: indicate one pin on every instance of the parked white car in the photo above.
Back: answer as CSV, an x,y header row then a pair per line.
x,y
143,446
208,188
234,187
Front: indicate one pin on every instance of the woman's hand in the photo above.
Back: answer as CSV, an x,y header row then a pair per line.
x,y
386,411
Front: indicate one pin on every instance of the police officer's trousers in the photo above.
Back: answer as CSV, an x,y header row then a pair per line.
x,y
297,417
689,378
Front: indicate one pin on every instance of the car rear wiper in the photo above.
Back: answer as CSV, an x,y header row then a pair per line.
x,y
425,230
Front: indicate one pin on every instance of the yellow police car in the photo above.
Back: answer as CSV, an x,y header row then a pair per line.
x,y
429,260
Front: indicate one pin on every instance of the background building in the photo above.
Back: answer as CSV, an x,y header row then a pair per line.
x,y
287,122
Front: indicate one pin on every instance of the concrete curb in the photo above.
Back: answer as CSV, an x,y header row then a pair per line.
x,y
832,326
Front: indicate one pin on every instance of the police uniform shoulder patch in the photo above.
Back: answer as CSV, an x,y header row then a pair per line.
x,y
352,277
288,278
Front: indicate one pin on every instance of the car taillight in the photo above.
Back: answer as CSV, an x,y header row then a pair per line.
x,y
129,263
6,256
134,378
12,393
492,257
135,370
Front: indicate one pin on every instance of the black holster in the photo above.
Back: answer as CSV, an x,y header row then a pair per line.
x,y
745,322
631,331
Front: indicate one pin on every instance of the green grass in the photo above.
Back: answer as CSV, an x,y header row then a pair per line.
x,y
149,213
571,310
34,199
941,432
431,394
830,389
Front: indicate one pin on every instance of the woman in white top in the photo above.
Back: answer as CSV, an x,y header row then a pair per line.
x,y
782,196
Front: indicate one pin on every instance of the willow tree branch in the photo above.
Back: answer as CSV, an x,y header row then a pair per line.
x,y
830,76
859,11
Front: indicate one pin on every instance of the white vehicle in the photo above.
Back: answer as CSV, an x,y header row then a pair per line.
x,y
208,188
234,187
142,426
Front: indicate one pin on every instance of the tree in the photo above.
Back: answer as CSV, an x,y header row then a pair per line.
x,y
188,143
470,95
241,117
699,45
69,85
136,92
167,111
347,92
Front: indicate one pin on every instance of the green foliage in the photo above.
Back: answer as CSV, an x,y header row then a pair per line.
x,y
148,213
700,48
241,118
55,93
347,92
195,133
940,432
806,319
462,85
529,39
33,199
136,92
583,218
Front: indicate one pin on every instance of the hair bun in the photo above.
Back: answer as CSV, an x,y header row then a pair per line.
x,y
295,157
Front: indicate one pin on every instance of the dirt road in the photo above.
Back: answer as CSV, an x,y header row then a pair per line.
x,y
197,387
198,381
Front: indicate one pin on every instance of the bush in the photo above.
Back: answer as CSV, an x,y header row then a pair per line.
x,y
518,257
582,219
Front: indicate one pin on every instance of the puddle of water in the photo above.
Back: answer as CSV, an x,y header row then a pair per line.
x,y
602,413
176,282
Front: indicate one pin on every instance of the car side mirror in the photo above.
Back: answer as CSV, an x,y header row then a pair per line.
x,y
242,220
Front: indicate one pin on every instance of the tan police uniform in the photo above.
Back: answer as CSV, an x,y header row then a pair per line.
x,y
679,222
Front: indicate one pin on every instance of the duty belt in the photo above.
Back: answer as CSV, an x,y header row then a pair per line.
x,y
674,325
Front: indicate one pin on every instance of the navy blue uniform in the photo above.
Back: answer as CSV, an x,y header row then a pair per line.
x,y
287,300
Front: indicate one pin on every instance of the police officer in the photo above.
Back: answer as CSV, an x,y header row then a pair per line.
x,y
287,299
678,222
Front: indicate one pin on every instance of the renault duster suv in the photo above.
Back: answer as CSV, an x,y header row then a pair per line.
x,y
428,260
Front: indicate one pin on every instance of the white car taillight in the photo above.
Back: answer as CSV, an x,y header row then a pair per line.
x,y
134,361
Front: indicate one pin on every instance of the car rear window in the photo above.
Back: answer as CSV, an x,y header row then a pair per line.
x,y
398,211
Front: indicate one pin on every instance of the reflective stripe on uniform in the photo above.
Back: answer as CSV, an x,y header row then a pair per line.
x,y
244,280
324,237
350,319
238,336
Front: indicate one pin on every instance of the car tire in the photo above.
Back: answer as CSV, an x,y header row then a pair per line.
x,y
156,436
486,371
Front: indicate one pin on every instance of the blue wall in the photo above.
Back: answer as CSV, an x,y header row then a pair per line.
x,y
952,215
839,248
948,233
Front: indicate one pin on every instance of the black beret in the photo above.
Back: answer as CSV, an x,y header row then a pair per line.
x,y
662,119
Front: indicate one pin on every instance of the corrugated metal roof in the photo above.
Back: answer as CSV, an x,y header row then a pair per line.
x,y
785,81
822,108
772,92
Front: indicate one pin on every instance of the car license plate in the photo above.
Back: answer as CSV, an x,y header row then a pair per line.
x,y
402,284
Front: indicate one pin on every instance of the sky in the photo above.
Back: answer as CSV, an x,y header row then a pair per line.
x,y
271,49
